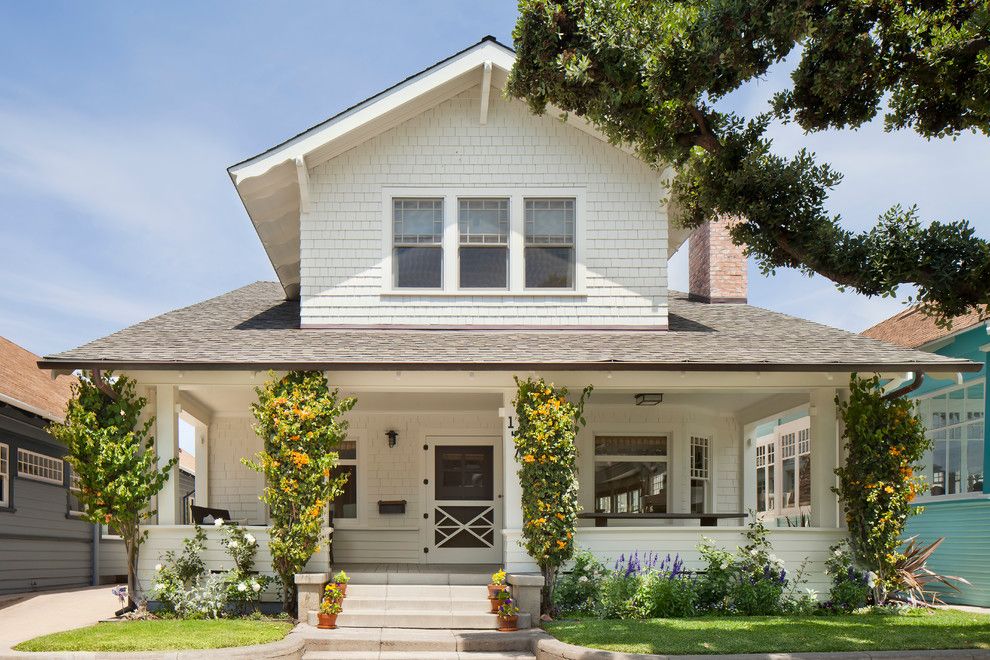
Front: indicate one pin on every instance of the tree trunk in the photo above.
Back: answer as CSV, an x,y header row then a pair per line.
x,y
289,601
546,595
131,548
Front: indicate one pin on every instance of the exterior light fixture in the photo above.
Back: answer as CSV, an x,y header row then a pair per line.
x,y
393,437
649,399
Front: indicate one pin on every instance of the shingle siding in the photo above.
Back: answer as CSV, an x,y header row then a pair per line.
x,y
625,233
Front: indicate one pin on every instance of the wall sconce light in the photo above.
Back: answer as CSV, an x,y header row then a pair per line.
x,y
649,399
393,437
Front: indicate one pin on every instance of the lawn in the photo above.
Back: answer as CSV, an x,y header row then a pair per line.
x,y
167,635
944,629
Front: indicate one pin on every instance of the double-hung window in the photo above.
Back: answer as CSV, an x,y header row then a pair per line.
x,y
954,423
550,256
39,467
630,474
4,475
700,472
766,476
74,506
417,239
345,505
483,231
783,470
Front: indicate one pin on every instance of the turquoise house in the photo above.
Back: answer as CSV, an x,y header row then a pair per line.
x,y
954,412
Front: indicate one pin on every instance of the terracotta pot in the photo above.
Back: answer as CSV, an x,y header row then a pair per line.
x,y
327,621
343,588
493,589
508,623
495,603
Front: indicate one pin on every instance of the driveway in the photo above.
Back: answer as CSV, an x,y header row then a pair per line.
x,y
55,611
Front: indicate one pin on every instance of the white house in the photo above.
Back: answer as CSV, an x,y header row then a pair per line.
x,y
436,240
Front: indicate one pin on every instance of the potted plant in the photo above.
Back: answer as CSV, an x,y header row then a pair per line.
x,y
330,607
497,599
508,615
497,584
341,579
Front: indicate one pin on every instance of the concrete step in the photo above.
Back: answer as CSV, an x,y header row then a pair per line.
x,y
373,642
418,655
474,606
416,618
369,578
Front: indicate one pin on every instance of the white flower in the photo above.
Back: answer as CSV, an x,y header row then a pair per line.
x,y
232,544
242,587
871,579
583,578
250,539
753,552
725,565
838,553
218,522
159,586
158,568
255,587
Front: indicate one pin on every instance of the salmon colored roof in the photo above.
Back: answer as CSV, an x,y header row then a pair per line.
x,y
187,461
912,328
22,382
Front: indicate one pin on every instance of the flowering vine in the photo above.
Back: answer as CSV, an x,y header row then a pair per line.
x,y
301,423
885,441
546,453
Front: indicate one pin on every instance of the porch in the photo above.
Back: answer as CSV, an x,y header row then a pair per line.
x,y
432,478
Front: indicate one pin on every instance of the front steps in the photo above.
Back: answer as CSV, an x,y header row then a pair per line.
x,y
425,606
404,644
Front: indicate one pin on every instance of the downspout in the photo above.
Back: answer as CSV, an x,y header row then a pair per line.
x,y
914,384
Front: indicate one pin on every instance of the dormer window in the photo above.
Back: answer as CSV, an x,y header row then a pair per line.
x,y
417,226
550,243
483,229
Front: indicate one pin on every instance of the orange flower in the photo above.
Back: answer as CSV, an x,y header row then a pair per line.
x,y
529,458
561,544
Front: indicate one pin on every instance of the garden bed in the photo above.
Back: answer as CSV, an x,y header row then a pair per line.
x,y
712,635
162,635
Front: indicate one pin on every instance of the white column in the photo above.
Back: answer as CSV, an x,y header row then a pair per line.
x,y
824,458
167,446
202,464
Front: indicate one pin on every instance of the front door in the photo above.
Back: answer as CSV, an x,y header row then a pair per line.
x,y
464,500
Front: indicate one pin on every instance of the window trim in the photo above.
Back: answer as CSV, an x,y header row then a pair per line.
x,y
5,491
666,459
39,478
73,487
709,498
360,517
928,468
775,438
450,284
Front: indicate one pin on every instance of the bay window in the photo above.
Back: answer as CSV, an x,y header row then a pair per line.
x,y
550,255
954,423
417,238
483,230
630,474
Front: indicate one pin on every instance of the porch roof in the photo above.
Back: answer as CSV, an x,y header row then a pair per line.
x,y
256,328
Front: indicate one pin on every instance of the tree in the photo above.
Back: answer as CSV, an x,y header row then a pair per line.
x,y
112,455
546,454
300,421
885,442
650,73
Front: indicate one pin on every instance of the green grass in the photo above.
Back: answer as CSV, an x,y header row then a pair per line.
x,y
167,635
944,629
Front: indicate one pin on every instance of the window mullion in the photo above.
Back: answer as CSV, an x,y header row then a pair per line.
x,y
451,241
517,244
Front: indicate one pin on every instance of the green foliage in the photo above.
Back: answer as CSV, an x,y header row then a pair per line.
x,y
577,590
301,423
547,454
665,595
649,75
112,454
333,599
178,572
717,579
615,595
850,588
884,441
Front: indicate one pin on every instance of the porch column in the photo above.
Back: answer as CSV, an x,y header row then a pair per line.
x,y
202,497
511,489
167,446
824,458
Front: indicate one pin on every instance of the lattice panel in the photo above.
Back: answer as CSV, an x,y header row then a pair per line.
x,y
464,526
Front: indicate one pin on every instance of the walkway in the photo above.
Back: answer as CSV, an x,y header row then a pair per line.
x,y
44,613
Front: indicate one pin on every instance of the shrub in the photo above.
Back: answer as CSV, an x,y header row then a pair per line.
x,y
615,595
850,588
760,576
577,591
178,572
665,594
714,586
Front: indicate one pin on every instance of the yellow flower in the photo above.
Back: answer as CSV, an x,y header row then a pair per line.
x,y
561,544
889,489
529,458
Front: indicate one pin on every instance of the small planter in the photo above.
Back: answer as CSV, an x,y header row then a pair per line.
x,y
493,590
495,602
343,588
327,621
508,623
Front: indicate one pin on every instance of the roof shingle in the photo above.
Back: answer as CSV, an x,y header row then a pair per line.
x,y
912,328
255,327
22,381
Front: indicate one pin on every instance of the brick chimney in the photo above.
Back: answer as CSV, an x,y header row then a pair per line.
x,y
716,266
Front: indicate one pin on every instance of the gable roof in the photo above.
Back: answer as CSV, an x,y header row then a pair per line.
x,y
25,386
273,185
912,328
255,328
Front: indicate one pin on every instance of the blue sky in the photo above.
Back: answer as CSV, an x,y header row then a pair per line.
x,y
118,120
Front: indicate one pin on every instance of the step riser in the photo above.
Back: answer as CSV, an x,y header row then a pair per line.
x,y
418,619
409,591
448,606
477,579
413,655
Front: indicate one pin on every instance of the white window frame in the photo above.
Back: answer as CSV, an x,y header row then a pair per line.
x,y
24,467
800,429
5,472
74,487
451,241
701,473
359,474
621,458
962,424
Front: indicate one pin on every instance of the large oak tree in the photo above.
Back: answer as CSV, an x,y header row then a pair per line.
x,y
650,74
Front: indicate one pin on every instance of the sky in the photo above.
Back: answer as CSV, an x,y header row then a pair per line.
x,y
118,121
